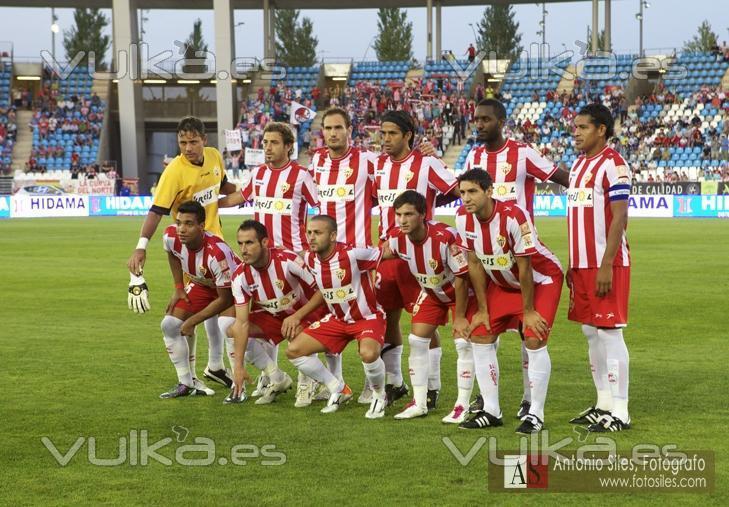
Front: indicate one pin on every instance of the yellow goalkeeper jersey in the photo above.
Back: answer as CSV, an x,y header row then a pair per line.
x,y
182,181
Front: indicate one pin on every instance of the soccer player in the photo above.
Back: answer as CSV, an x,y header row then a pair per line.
x,y
524,286
280,190
436,261
207,262
198,173
515,167
599,269
344,176
402,168
343,275
274,297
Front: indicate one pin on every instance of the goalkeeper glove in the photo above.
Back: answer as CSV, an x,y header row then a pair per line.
x,y
138,298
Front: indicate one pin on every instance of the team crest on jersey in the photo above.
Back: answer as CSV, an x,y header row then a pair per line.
x,y
524,228
285,187
202,270
216,171
501,241
587,178
348,171
223,265
409,175
279,284
505,167
433,263
341,273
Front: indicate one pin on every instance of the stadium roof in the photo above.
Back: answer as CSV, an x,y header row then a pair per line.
x,y
258,4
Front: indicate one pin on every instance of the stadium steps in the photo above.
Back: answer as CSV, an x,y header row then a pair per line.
x,y
567,83
102,88
413,75
450,157
24,143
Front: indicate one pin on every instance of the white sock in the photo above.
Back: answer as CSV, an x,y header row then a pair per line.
x,y
598,367
527,395
223,324
256,353
177,349
215,344
486,366
272,351
434,355
419,363
392,356
312,367
540,367
464,370
334,363
617,362
192,351
375,372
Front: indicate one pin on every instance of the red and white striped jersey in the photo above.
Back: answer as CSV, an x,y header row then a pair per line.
x,y
212,265
426,175
435,261
345,281
279,200
595,182
507,234
345,191
280,288
514,169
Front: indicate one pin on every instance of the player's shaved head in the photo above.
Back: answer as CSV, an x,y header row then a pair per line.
x,y
497,106
329,221
193,208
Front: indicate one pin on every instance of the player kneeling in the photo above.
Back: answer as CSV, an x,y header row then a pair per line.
x,y
525,283
274,296
207,261
436,261
344,276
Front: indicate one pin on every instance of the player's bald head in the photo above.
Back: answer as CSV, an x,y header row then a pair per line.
x,y
329,222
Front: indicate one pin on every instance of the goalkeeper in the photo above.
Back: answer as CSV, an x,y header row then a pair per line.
x,y
198,173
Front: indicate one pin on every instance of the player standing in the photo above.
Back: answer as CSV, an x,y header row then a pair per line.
x,y
599,274
198,173
207,262
402,168
274,296
343,275
525,283
514,167
436,261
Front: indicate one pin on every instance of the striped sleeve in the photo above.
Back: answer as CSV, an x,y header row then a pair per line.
x,y
617,180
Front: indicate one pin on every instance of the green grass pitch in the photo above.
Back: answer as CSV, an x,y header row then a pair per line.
x,y
76,363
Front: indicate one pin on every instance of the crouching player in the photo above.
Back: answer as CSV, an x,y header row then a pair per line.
x,y
525,283
433,256
208,263
344,275
274,296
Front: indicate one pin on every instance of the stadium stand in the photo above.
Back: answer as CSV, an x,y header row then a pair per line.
x,y
703,69
8,126
299,78
378,72
446,76
66,124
